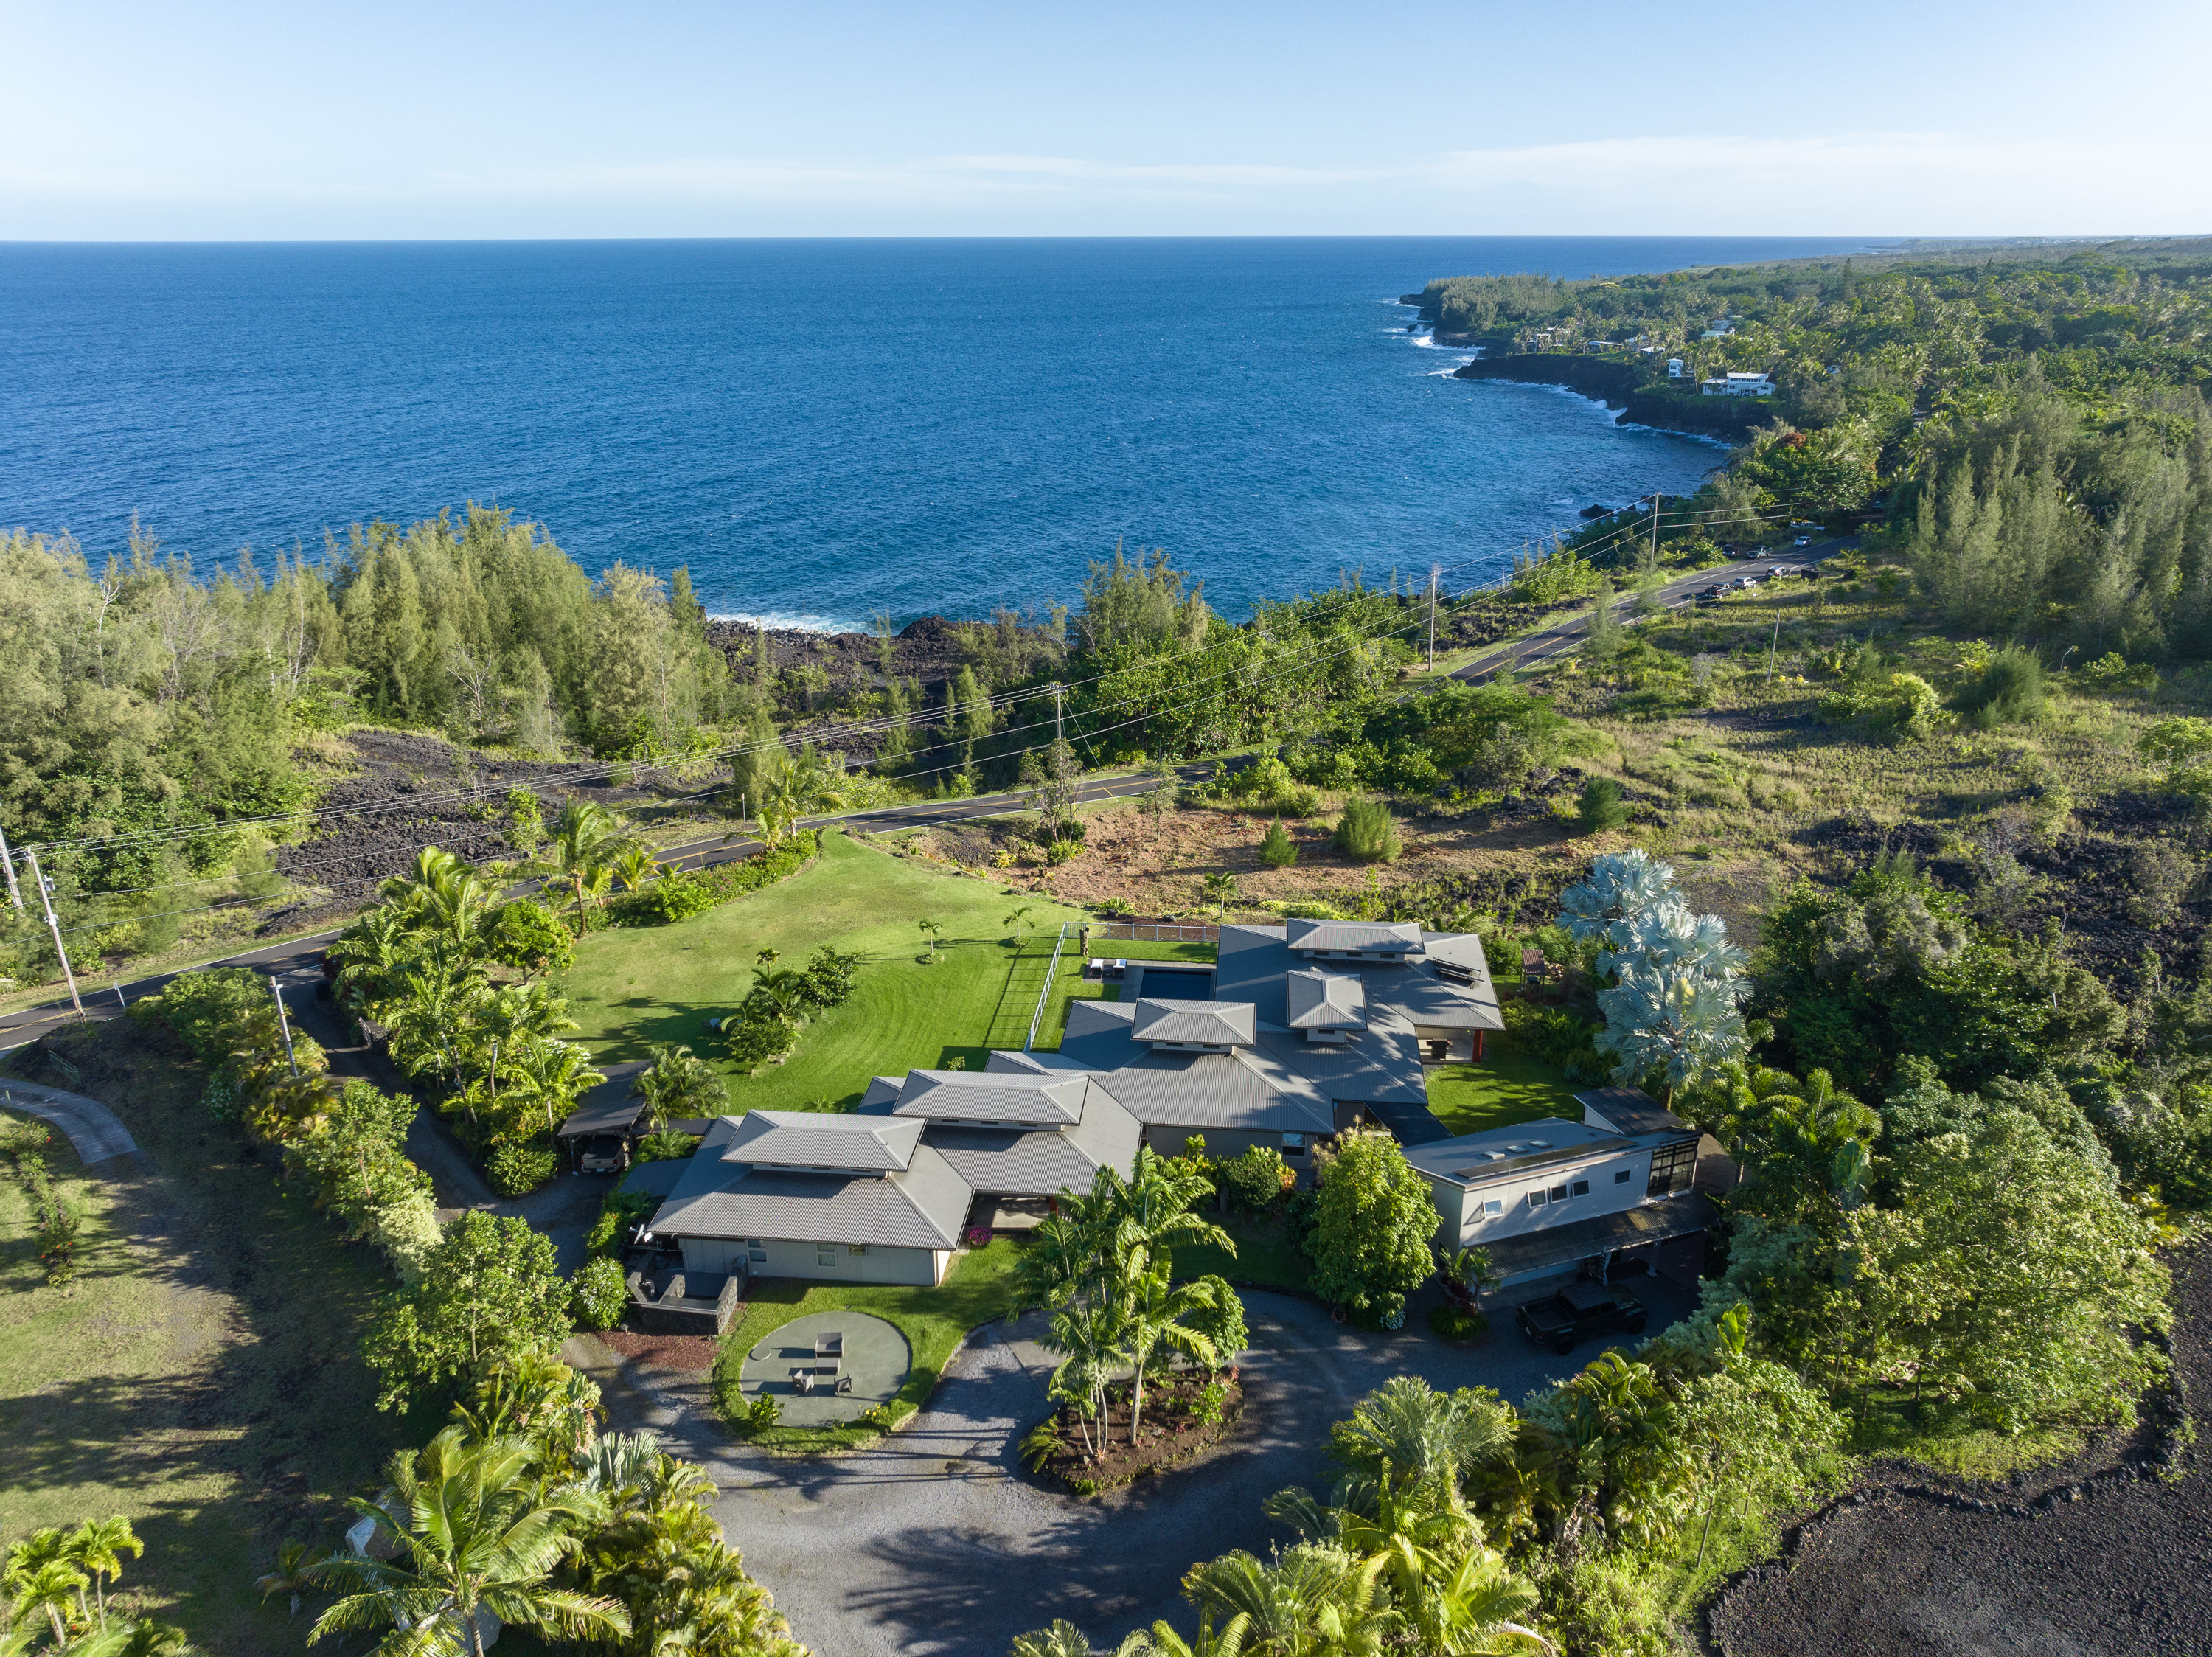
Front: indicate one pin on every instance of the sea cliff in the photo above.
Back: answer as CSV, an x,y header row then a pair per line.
x,y
1621,385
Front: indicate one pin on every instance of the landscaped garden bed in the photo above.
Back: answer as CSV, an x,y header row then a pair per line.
x,y
1184,1416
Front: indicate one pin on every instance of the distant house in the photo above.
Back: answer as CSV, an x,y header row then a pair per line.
x,y
1596,347
1738,384
1674,368
1550,1197
1296,1033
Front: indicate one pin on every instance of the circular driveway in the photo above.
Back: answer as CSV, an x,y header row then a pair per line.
x,y
933,1541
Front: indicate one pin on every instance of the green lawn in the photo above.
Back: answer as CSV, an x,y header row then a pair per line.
x,y
1266,1256
201,1374
633,986
1502,1090
934,1321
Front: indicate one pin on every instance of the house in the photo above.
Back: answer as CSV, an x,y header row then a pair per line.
x,y
1296,1032
1738,384
1674,368
1555,1197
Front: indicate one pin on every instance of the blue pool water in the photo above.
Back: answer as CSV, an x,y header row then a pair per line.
x,y
820,430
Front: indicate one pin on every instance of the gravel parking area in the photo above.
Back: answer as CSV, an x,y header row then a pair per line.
x,y
935,1542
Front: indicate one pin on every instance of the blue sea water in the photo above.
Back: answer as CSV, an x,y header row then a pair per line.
x,y
820,430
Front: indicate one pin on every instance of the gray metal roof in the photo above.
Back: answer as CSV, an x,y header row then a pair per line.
x,y
1256,962
1040,1161
922,1207
1477,1159
1324,1000
1235,1092
1398,936
991,1096
1532,1252
1216,1023
611,1107
1629,1110
822,1139
1381,1065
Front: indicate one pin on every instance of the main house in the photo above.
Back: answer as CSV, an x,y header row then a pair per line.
x,y
1296,1032
1550,1197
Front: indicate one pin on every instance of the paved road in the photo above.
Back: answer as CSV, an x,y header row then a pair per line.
x,y
933,1543
297,962
94,1132
1540,646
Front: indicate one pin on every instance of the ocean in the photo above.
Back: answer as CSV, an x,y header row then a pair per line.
x,y
821,430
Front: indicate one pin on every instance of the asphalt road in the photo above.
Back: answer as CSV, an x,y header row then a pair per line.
x,y
298,961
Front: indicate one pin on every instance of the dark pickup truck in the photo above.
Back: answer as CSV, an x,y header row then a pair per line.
x,y
1577,1310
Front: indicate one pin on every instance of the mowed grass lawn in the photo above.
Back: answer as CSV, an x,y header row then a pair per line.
x,y
201,1374
1503,1089
934,1320
631,988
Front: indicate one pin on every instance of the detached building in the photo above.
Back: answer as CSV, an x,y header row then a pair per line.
x,y
1552,1197
1297,1033
1738,385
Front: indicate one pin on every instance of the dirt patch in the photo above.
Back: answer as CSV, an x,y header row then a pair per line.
x,y
1185,1416
682,1354
1514,856
2100,1555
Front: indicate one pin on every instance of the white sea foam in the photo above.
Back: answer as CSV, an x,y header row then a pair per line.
x,y
788,621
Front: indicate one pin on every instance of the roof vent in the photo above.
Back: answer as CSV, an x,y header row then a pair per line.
x,y
1454,971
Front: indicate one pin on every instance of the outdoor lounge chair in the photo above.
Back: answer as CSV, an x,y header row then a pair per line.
x,y
844,1385
802,1379
832,1345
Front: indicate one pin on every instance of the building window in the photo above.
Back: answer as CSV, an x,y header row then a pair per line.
x,y
825,1256
1559,1193
1493,1208
1620,1176
856,1248
1582,1188
1294,1144
1673,1167
1535,1199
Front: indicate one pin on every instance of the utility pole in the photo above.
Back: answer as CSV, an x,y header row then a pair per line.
x,y
1435,574
1771,646
7,862
46,902
284,1024
1655,499
1059,736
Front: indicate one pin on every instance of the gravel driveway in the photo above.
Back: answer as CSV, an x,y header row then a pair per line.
x,y
933,1541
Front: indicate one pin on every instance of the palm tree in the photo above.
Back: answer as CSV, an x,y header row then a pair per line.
x,y
1062,1639
1313,1597
475,1538
767,955
1016,922
297,1565
1154,1309
1162,1640
40,1578
97,1547
1406,1423
408,891
579,845
1221,889
929,931
369,953
437,996
634,865
554,1074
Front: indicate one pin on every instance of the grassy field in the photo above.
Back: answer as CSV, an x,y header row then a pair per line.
x,y
1502,1090
201,1374
934,1321
631,988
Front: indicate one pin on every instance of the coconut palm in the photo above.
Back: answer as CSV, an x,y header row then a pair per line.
x,y
579,846
1016,923
474,1538
297,1566
435,999
553,1074
97,1546
370,953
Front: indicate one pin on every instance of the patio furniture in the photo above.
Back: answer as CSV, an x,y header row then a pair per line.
x,y
1534,965
830,1345
844,1385
803,1380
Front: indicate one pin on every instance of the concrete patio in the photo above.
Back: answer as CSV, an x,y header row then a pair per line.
x,y
876,1357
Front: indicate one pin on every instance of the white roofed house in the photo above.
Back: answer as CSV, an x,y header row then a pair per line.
x,y
1737,384
1554,1197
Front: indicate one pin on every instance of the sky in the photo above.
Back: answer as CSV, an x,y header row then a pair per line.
x,y
221,120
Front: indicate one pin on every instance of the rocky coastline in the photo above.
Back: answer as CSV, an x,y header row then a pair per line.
x,y
1619,387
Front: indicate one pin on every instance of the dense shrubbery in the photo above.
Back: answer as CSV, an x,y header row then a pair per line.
x,y
1368,832
488,1295
519,1167
1372,1221
1255,1179
602,1292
